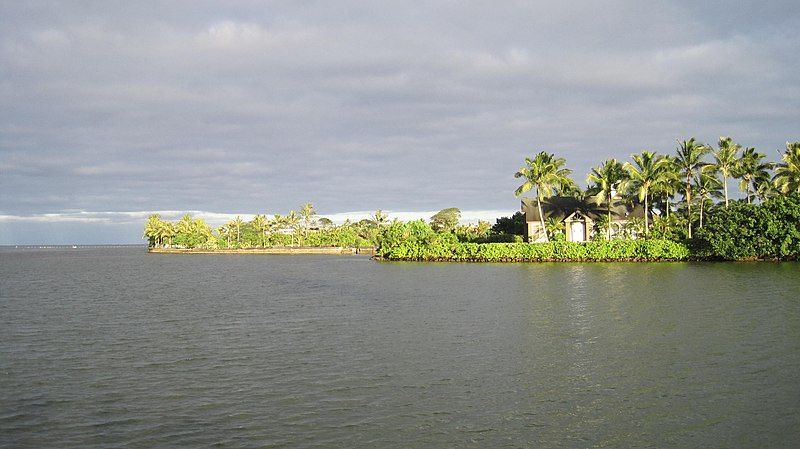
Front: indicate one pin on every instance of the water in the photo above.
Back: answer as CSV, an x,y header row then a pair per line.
x,y
119,348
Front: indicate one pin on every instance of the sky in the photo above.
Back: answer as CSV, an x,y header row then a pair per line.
x,y
111,110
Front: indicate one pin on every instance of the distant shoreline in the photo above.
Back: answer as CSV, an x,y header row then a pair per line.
x,y
333,250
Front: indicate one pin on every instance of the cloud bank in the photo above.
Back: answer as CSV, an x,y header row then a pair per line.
x,y
263,106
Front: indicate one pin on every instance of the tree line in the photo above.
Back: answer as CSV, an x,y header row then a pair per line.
x,y
297,228
698,172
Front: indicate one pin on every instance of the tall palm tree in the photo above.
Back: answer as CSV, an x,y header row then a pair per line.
x,y
261,224
609,178
307,214
152,230
762,184
787,173
237,223
690,159
185,225
725,161
668,183
749,168
545,173
644,176
291,219
707,186
167,231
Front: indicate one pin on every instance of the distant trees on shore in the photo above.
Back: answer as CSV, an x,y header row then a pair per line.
x,y
686,194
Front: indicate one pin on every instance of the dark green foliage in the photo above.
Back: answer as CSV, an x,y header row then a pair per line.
x,y
417,241
747,231
514,224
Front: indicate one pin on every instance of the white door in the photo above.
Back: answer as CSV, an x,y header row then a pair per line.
x,y
578,231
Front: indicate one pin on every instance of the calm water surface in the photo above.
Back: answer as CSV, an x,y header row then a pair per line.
x,y
119,348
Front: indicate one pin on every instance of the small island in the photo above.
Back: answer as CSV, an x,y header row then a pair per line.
x,y
652,208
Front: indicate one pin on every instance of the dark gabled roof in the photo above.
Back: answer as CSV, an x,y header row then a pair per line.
x,y
560,207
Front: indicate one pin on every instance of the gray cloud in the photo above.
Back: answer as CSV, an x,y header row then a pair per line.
x,y
246,106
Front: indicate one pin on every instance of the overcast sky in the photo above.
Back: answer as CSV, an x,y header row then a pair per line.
x,y
111,110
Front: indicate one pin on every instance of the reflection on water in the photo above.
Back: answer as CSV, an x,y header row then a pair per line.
x,y
113,347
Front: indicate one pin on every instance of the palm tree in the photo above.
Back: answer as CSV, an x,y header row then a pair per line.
x,y
546,174
787,174
725,161
690,159
609,178
762,183
167,231
236,223
291,219
707,186
152,230
307,213
668,183
749,168
185,225
644,176
261,224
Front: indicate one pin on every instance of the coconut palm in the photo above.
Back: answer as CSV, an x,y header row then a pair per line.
x,y
668,183
546,174
292,220
643,178
262,225
690,160
307,214
787,173
707,186
167,231
749,168
236,224
185,225
609,178
152,230
725,161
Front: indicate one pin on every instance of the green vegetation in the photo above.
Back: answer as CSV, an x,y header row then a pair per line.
x,y
704,224
416,240
744,231
293,229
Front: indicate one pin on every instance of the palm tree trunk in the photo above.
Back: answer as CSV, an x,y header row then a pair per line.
x,y
702,203
646,218
689,203
541,216
667,200
608,227
725,187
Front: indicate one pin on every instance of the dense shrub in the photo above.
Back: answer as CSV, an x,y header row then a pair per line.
x,y
514,224
417,241
500,238
747,231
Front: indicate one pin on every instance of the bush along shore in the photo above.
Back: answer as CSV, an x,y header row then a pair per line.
x,y
687,214
417,241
